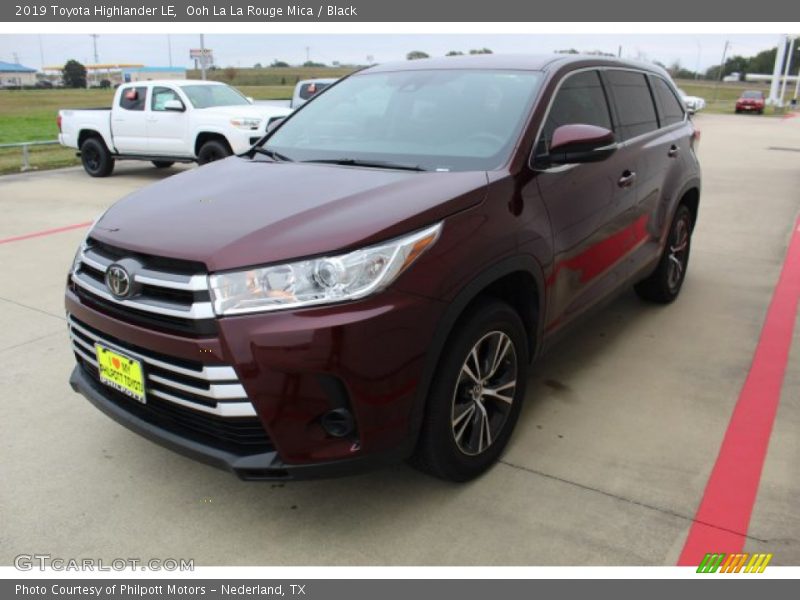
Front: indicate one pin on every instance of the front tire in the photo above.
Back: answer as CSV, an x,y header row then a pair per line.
x,y
664,285
211,151
95,157
476,394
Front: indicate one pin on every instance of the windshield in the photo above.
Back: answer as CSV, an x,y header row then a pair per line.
x,y
752,95
206,96
445,120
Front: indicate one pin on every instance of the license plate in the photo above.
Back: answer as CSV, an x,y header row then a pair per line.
x,y
121,372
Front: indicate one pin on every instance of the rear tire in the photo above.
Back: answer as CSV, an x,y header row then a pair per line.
x,y
664,285
475,398
163,164
211,151
95,157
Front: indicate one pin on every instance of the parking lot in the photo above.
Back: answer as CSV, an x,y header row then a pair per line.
x,y
621,428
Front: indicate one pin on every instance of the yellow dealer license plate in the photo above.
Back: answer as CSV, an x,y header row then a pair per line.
x,y
121,372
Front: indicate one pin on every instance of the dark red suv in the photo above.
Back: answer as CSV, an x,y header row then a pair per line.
x,y
373,279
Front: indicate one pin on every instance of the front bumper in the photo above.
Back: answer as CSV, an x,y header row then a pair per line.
x,y
260,466
295,367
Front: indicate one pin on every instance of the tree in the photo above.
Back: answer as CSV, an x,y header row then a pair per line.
x,y
481,51
258,66
279,64
567,51
230,74
74,74
311,63
416,55
455,53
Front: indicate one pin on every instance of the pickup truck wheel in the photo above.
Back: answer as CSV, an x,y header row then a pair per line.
x,y
211,151
96,159
163,164
476,394
664,285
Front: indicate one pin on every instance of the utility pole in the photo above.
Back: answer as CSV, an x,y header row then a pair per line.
x,y
308,53
94,37
786,68
16,57
721,70
169,49
202,57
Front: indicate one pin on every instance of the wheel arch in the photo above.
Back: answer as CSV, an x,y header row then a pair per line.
x,y
517,280
207,136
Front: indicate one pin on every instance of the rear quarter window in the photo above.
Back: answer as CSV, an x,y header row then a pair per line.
x,y
670,108
634,103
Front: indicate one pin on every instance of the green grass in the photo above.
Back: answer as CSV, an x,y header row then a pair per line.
x,y
269,76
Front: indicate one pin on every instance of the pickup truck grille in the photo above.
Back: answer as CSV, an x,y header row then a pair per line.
x,y
172,295
192,399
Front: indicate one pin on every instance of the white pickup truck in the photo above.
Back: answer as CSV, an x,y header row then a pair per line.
x,y
166,122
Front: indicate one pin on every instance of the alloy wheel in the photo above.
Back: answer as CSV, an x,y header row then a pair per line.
x,y
484,393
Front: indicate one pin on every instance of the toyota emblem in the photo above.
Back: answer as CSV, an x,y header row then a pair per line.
x,y
118,281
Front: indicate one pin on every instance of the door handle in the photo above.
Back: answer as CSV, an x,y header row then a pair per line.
x,y
627,179
673,151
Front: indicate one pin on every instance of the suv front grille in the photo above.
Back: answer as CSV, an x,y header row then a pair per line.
x,y
201,402
173,295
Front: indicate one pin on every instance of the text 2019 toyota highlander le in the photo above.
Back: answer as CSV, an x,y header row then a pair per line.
x,y
372,280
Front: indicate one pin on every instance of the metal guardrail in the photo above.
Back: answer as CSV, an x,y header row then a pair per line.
x,y
26,163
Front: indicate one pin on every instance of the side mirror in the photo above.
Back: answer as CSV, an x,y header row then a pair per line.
x,y
274,123
581,144
174,105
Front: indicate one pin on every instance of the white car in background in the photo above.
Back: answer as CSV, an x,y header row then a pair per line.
x,y
166,122
693,103
308,88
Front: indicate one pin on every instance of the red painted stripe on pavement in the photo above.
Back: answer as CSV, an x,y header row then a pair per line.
x,y
36,234
723,516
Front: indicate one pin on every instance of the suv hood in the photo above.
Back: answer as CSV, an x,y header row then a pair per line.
x,y
237,212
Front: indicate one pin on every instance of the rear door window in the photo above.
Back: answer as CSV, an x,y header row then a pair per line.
x,y
634,103
580,100
670,108
133,98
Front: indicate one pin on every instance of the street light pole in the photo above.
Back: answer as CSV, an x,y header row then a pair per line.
x,y
786,68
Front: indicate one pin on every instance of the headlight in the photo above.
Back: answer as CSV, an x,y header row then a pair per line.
x,y
246,123
321,280
76,260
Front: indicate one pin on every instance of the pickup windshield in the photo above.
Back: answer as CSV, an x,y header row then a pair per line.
x,y
434,120
206,96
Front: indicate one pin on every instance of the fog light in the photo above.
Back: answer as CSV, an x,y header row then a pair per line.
x,y
338,422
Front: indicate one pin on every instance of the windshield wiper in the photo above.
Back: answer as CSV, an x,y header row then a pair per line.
x,y
355,162
277,156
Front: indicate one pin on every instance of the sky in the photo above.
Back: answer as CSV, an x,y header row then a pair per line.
x,y
693,51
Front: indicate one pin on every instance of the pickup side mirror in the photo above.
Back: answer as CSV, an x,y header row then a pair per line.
x,y
274,123
579,143
174,105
